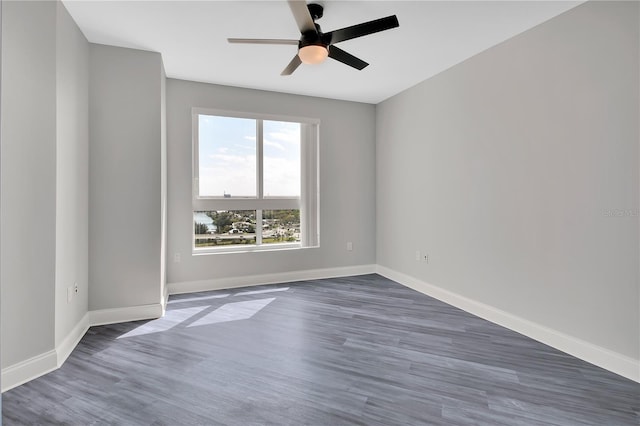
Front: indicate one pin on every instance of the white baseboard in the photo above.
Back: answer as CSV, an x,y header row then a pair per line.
x,y
39,365
594,354
64,349
130,313
281,277
34,367
29,369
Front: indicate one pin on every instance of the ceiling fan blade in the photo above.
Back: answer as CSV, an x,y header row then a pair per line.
x,y
346,58
302,15
295,63
262,41
360,30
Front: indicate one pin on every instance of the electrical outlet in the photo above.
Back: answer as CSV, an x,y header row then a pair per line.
x,y
176,257
349,246
75,288
425,258
418,255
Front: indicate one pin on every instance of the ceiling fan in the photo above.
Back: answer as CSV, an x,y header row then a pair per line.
x,y
315,46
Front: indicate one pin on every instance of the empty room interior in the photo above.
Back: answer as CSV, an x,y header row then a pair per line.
x,y
320,213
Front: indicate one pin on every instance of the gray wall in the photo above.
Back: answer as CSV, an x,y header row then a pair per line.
x,y
125,183
44,177
511,170
0,188
163,179
28,217
347,182
72,173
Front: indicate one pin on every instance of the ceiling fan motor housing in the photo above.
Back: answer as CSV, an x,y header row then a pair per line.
x,y
315,10
311,38
314,38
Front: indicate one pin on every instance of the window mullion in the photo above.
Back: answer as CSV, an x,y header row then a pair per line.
x,y
259,158
258,227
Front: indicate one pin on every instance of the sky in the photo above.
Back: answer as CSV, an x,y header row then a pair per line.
x,y
227,157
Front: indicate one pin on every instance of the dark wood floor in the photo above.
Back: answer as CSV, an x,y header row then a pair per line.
x,y
359,350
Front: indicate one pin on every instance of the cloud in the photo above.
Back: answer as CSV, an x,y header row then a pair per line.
x,y
274,145
281,177
285,136
222,159
234,174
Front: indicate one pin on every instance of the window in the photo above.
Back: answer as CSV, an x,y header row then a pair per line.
x,y
255,181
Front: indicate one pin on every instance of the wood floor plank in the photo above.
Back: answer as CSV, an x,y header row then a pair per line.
x,y
347,351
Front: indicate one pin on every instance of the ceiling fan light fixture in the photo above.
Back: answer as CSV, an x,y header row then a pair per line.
x,y
313,54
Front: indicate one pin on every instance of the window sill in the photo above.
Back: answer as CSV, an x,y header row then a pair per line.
x,y
247,249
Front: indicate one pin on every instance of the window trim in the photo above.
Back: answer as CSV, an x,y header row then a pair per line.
x,y
307,202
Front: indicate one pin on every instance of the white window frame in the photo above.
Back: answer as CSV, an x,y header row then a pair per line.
x,y
307,203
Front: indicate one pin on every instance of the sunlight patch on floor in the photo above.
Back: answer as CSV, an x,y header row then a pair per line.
x,y
169,320
233,312
199,298
271,290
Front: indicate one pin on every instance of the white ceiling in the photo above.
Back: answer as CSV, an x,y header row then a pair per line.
x,y
192,38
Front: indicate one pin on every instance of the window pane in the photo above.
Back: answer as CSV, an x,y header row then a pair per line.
x,y
224,228
227,156
280,226
281,159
